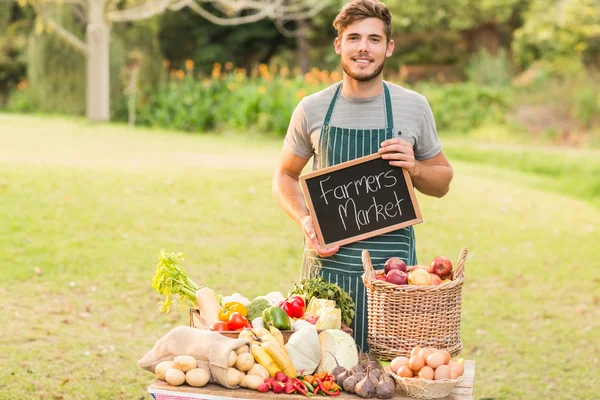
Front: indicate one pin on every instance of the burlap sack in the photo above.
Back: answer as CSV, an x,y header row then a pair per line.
x,y
206,346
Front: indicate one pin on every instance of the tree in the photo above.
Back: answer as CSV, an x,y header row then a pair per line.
x,y
100,14
568,29
480,23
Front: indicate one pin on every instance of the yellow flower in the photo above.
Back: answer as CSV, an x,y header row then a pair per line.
x,y
231,86
228,66
216,71
309,78
324,76
189,65
284,71
23,84
172,73
262,90
180,74
300,94
335,76
262,68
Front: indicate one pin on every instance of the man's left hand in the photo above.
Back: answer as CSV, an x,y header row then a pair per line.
x,y
400,154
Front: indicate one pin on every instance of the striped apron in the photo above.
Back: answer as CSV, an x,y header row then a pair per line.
x,y
337,145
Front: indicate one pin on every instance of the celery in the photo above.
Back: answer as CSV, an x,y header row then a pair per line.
x,y
172,280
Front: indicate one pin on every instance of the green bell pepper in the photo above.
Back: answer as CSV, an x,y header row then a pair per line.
x,y
277,317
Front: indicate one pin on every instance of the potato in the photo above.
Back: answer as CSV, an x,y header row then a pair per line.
x,y
174,377
234,376
232,359
251,381
197,377
242,349
185,363
259,370
244,362
162,368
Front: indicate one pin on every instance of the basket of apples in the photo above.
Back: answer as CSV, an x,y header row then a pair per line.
x,y
410,306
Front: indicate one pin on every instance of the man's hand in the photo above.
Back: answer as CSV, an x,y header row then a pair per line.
x,y
309,232
400,153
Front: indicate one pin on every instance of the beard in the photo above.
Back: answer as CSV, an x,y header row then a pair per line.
x,y
362,76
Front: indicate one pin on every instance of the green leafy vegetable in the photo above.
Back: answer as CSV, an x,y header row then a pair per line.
x,y
172,280
321,289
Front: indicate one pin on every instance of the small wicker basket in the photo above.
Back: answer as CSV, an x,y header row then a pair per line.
x,y
402,317
425,388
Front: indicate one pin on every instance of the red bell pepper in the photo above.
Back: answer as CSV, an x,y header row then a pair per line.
x,y
294,306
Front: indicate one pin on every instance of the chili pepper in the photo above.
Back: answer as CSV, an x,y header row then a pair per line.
x,y
299,387
294,306
324,389
230,308
308,385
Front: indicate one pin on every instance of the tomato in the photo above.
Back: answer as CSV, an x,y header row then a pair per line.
x,y
236,321
219,326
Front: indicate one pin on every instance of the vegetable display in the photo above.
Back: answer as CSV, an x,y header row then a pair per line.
x,y
320,288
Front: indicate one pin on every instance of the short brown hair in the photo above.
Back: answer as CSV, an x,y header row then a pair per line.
x,y
357,10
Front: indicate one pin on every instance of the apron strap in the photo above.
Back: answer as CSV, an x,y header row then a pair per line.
x,y
332,106
389,116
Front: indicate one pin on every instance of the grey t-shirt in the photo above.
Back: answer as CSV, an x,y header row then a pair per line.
x,y
412,117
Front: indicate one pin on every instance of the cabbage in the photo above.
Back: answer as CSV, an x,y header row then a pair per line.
x,y
329,318
337,345
304,349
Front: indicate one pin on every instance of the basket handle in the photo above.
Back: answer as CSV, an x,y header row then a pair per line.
x,y
459,271
368,267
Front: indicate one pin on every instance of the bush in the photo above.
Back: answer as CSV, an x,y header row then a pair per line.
x,y
462,107
265,100
491,70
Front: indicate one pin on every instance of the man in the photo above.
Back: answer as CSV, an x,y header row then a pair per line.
x,y
357,117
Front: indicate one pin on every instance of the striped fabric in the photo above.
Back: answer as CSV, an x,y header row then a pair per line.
x,y
345,267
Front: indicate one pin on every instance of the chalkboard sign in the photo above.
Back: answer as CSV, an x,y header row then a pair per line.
x,y
359,199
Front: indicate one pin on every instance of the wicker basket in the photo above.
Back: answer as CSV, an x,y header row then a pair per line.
x,y
402,317
425,388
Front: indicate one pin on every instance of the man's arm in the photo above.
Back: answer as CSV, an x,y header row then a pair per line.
x,y
431,177
287,192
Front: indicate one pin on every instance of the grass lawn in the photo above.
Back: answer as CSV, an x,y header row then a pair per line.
x,y
86,210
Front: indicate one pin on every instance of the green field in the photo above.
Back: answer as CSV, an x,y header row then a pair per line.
x,y
86,210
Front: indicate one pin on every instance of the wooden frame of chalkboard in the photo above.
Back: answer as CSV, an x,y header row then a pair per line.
x,y
359,199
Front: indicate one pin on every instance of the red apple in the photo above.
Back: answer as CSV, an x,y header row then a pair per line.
x,y
397,277
441,266
394,263
380,277
435,280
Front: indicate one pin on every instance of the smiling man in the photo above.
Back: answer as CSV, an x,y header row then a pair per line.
x,y
357,117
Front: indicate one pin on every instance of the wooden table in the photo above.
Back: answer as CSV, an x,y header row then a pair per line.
x,y
161,390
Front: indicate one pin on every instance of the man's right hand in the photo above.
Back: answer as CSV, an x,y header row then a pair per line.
x,y
309,232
